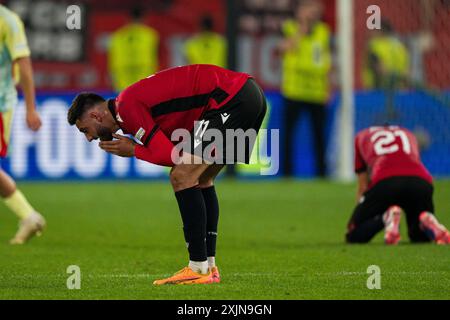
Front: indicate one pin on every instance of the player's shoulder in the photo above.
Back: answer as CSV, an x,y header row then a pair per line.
x,y
10,19
145,89
365,132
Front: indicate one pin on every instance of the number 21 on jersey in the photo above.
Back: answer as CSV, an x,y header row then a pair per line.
x,y
385,142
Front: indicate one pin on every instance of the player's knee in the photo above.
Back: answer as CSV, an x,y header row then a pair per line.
x,y
181,179
352,237
205,182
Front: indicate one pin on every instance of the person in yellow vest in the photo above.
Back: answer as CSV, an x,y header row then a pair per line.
x,y
133,52
206,47
306,59
387,60
16,68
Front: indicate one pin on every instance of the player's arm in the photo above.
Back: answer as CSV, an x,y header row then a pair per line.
x,y
17,45
361,171
26,83
363,183
291,37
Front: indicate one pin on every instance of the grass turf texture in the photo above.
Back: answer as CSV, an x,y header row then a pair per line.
x,y
277,240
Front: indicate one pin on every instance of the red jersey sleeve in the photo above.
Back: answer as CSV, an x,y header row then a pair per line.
x,y
360,164
136,120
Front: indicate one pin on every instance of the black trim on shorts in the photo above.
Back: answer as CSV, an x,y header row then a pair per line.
x,y
188,103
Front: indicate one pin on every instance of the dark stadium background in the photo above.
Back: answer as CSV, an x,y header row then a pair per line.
x,y
69,61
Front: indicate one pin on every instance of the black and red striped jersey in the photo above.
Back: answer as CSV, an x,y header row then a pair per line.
x,y
388,151
152,108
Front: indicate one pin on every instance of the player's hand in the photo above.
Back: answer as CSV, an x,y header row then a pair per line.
x,y
33,120
123,146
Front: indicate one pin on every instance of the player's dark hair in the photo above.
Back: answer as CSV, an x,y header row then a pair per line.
x,y
137,12
386,26
82,102
207,23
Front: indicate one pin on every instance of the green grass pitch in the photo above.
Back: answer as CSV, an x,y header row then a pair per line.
x,y
277,240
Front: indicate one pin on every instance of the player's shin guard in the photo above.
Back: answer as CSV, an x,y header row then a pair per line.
x,y
212,219
193,213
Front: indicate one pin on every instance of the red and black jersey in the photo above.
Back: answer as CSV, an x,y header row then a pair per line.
x,y
387,152
152,108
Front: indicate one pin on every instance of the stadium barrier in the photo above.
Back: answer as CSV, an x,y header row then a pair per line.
x,y
59,152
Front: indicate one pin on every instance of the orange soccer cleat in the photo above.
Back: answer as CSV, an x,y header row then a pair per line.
x,y
391,221
186,276
436,231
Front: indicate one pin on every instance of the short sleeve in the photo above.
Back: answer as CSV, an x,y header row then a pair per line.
x,y
134,119
16,40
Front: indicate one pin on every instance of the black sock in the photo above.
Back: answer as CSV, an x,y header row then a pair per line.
x,y
193,213
365,231
212,219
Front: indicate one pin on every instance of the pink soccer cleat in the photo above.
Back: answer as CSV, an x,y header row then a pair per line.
x,y
431,226
391,219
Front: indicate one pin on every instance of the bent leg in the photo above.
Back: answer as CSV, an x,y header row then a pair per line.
x,y
362,229
185,179
418,198
367,218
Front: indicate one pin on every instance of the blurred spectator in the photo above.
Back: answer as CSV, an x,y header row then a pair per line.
x,y
306,55
133,52
207,46
387,60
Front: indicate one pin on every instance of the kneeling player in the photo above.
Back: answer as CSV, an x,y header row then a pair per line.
x,y
152,110
391,178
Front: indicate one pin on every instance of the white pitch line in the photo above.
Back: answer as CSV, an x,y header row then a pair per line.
x,y
246,274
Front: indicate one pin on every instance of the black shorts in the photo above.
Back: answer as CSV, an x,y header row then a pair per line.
x,y
227,135
413,194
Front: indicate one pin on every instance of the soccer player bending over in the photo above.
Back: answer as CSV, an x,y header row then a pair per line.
x,y
392,178
201,99
15,56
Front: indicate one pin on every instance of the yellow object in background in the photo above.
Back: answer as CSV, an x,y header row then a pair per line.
x,y
207,48
133,54
257,162
306,66
392,56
